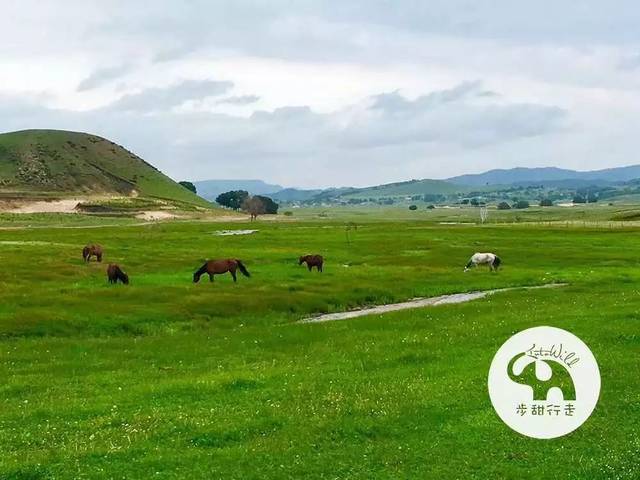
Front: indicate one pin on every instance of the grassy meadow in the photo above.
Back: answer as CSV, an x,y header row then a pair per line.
x,y
168,379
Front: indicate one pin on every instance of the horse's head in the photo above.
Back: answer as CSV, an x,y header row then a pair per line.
x,y
125,278
301,260
196,277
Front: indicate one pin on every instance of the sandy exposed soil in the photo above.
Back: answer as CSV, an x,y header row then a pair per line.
x,y
153,215
66,205
419,303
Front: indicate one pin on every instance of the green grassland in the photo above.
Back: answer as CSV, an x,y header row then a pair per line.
x,y
169,379
37,163
414,187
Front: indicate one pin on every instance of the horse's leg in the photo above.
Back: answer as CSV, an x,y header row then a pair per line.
x,y
320,267
233,274
309,266
211,277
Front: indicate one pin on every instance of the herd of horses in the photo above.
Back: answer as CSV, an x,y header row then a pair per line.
x,y
115,274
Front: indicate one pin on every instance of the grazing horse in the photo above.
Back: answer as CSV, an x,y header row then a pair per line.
x,y
215,267
93,250
115,273
312,261
490,259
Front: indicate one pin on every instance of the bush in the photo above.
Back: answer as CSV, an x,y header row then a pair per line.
x,y
520,204
413,207
546,202
431,207
288,213
504,206
579,199
189,186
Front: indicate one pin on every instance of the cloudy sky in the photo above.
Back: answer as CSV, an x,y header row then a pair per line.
x,y
316,93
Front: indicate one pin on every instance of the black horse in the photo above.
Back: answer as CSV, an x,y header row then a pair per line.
x,y
115,273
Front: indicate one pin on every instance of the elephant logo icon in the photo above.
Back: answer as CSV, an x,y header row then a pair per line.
x,y
560,378
544,382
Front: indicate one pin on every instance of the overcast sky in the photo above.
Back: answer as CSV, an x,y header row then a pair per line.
x,y
331,93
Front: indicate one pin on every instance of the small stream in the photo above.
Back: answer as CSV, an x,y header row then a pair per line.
x,y
419,303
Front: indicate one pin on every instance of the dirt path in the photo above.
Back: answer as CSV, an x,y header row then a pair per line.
x,y
419,303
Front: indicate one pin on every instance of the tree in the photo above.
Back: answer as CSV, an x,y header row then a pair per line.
x,y
520,204
188,186
413,207
233,199
504,206
546,202
270,207
579,199
592,198
254,206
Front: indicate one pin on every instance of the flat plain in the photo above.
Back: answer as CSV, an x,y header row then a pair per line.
x,y
168,379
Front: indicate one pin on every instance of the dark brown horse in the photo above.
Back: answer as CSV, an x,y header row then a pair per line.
x,y
93,250
115,273
312,261
216,267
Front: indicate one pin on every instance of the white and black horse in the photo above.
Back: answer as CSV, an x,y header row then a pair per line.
x,y
490,259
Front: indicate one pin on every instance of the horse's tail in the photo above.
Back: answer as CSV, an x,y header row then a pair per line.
x,y
242,268
496,262
198,273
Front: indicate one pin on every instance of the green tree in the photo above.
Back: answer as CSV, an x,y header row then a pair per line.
x,y
233,199
270,206
504,206
546,202
188,186
520,204
413,207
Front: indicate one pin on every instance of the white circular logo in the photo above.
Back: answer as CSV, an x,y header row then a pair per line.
x,y
544,382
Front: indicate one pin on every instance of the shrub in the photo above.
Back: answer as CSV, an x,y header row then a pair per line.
x,y
431,207
189,186
579,199
546,202
288,213
413,207
504,206
520,204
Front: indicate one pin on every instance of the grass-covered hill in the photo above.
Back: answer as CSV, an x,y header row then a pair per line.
x,y
55,162
412,187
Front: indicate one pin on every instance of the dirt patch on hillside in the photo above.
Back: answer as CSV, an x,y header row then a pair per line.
x,y
155,215
67,205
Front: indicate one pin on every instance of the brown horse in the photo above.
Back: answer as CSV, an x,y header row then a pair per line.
x,y
312,261
115,273
93,250
216,267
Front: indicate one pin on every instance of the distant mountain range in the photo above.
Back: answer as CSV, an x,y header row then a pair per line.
x,y
491,180
547,174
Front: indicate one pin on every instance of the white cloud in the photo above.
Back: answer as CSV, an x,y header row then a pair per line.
x,y
296,90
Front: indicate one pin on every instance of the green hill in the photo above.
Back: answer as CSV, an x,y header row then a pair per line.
x,y
59,163
413,187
